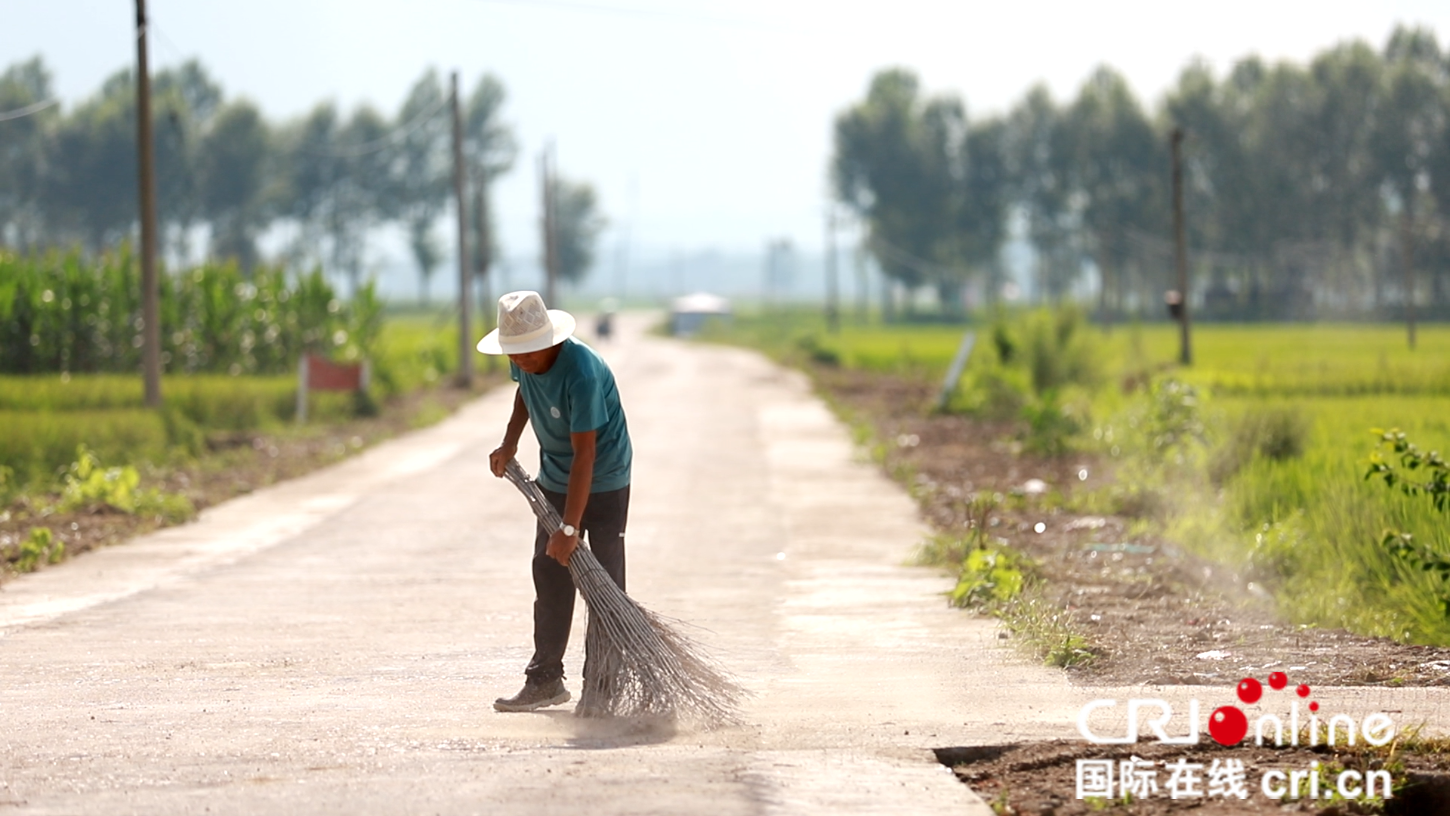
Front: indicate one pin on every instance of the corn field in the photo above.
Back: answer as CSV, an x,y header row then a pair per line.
x,y
64,312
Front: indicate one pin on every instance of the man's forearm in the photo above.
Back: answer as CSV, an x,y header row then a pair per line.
x,y
581,480
517,420
581,477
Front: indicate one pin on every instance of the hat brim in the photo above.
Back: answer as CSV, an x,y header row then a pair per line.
x,y
563,324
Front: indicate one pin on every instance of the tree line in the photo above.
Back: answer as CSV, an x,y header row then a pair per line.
x,y
1318,190
226,175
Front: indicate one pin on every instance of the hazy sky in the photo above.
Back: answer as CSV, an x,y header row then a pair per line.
x,y
703,123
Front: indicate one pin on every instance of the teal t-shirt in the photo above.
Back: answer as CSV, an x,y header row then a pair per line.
x,y
577,394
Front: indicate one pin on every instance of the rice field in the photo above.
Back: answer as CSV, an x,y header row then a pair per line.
x,y
1315,525
1301,360
44,417
1260,359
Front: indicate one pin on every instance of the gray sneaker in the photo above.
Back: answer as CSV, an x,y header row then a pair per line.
x,y
534,695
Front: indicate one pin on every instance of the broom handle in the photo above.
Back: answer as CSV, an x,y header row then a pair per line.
x,y
583,560
543,511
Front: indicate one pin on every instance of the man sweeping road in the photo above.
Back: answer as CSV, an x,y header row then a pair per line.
x,y
567,392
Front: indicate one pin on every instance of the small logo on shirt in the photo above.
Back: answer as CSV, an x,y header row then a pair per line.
x,y
553,412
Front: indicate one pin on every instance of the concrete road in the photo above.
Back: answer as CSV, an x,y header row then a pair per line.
x,y
334,644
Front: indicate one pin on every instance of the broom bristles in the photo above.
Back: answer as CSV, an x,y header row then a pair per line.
x,y
638,664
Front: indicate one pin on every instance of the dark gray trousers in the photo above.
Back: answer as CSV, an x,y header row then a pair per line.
x,y
603,527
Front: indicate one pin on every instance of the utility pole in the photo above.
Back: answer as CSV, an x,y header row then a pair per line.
x,y
465,337
624,256
1180,249
833,310
1407,253
485,257
621,277
863,297
483,252
544,241
150,290
888,299
551,227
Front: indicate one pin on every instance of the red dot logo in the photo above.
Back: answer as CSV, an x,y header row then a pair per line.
x,y
1278,680
1228,725
1314,707
1302,691
1250,691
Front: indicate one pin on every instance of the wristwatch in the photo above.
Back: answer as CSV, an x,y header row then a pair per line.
x,y
569,530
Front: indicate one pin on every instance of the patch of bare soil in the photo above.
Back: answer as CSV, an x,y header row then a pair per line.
x,y
232,465
1044,778
1153,613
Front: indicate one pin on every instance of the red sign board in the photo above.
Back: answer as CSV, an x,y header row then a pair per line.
x,y
325,375
316,373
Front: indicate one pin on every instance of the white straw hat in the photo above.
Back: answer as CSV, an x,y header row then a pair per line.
x,y
524,325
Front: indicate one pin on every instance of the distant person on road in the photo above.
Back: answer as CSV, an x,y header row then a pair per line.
x,y
568,394
604,323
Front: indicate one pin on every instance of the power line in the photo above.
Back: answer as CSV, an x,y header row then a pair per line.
x,y
907,259
386,141
165,40
28,110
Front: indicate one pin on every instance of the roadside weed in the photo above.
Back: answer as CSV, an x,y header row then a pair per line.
x,y
40,547
89,484
989,576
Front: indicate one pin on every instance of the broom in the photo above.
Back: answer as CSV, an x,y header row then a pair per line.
x,y
638,665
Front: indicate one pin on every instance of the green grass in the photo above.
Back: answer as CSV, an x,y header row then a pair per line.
x,y
1306,524
1296,360
209,400
1312,525
1309,526
925,349
37,444
417,349
46,416
1260,360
